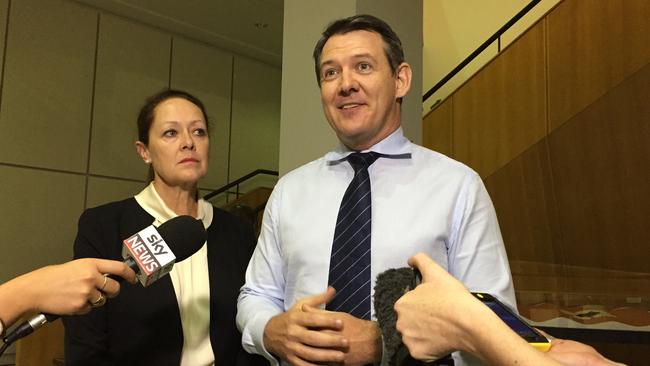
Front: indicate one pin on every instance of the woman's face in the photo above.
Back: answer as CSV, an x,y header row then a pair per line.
x,y
178,143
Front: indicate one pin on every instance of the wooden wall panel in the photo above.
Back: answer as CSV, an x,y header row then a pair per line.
x,y
623,352
593,46
42,347
523,197
574,207
501,111
522,193
601,170
437,128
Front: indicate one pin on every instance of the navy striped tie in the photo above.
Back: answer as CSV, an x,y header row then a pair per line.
x,y
350,258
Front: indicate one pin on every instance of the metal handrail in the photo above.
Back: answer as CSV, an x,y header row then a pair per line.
x,y
238,181
480,49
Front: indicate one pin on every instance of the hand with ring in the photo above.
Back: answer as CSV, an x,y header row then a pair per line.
x,y
71,288
101,300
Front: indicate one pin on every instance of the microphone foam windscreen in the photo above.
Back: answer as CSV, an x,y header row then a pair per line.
x,y
390,285
184,235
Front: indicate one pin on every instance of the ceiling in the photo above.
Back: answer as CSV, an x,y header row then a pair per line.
x,y
249,27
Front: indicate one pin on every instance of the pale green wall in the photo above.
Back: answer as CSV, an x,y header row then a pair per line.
x,y
74,78
304,132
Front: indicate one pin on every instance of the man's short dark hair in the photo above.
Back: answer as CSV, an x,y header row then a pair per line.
x,y
392,43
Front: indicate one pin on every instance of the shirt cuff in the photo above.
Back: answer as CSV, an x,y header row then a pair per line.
x,y
253,338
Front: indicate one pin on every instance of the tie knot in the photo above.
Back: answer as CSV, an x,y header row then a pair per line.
x,y
362,160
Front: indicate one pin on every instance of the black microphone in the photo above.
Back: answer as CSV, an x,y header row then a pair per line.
x,y
150,253
390,285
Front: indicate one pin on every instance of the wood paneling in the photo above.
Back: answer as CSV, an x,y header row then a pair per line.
x,y
42,347
573,207
436,128
593,46
501,111
625,353
523,197
601,173
522,193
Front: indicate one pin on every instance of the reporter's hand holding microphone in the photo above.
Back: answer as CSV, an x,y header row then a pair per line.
x,y
441,315
78,286
69,288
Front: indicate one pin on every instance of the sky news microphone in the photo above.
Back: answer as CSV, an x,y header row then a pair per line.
x,y
150,253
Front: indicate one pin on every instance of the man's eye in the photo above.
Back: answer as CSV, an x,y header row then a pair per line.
x,y
364,66
329,73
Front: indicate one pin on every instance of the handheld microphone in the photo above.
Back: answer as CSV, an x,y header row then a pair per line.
x,y
390,285
150,253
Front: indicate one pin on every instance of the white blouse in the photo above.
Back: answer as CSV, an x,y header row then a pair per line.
x,y
191,283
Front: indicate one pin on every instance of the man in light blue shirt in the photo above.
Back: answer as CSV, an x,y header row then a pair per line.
x,y
422,201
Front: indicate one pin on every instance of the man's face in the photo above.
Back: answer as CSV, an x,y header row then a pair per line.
x,y
359,91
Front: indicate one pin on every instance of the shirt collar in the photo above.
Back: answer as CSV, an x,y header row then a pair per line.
x,y
393,144
151,202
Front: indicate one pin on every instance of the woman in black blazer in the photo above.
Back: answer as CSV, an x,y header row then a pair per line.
x,y
185,318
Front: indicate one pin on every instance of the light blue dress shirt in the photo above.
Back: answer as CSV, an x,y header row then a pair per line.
x,y
429,203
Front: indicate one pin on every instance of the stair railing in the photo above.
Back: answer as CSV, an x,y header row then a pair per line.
x,y
237,182
478,51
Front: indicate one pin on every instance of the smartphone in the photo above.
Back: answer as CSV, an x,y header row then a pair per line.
x,y
515,322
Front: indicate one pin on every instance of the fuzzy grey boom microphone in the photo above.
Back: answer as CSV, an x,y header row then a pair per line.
x,y
390,285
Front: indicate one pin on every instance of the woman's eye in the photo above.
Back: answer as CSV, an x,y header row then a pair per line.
x,y
170,133
200,132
